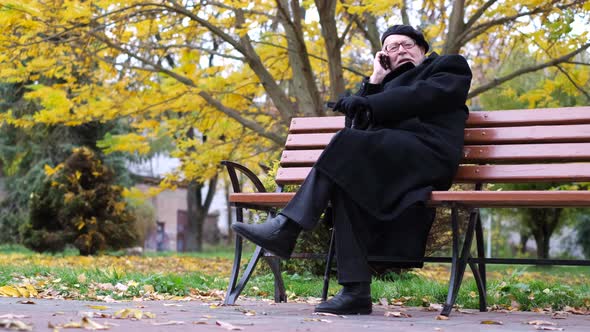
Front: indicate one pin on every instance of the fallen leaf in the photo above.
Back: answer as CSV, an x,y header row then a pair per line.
x,y
559,315
13,316
133,314
397,314
463,311
327,314
16,325
98,307
228,326
86,323
172,305
9,291
575,311
548,328
540,322
491,322
170,322
89,324
26,302
441,317
92,314
383,301
434,307
317,320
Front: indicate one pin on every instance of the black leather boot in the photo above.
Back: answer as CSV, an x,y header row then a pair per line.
x,y
276,235
353,299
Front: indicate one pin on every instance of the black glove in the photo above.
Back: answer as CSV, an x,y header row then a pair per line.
x,y
350,105
357,109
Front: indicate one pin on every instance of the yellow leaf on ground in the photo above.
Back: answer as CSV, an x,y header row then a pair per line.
x,y
9,291
133,314
98,307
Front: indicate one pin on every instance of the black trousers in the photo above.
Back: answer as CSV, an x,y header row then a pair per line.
x,y
306,208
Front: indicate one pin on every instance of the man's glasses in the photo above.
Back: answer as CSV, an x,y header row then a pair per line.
x,y
394,47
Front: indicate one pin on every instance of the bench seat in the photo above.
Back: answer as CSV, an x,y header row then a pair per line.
x,y
468,198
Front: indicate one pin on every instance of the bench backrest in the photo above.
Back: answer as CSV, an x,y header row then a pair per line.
x,y
513,146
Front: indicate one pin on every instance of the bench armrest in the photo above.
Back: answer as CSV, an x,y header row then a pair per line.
x,y
232,167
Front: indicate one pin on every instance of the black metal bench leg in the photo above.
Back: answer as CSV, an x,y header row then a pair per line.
x,y
448,306
235,271
481,265
275,267
234,292
459,263
481,289
328,265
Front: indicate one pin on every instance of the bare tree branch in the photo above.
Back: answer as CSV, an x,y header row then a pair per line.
x,y
182,79
285,107
479,13
574,82
475,31
234,114
497,81
352,70
578,63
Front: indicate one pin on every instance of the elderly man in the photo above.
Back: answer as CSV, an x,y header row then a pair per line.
x,y
407,140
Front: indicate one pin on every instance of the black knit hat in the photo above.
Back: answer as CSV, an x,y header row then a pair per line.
x,y
406,30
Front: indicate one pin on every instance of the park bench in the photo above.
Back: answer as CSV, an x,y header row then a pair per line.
x,y
512,146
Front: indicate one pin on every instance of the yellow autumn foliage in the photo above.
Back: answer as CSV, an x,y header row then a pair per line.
x,y
222,69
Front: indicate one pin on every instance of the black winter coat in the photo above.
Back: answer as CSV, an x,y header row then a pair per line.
x,y
413,147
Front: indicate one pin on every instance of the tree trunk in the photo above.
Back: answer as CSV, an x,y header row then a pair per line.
x,y
303,81
198,208
456,27
327,12
543,223
524,238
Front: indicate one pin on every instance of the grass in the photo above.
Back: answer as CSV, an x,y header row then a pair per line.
x,y
172,275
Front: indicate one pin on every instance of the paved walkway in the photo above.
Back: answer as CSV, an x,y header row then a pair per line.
x,y
45,315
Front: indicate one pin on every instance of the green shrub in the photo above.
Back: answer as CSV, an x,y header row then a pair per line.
x,y
79,204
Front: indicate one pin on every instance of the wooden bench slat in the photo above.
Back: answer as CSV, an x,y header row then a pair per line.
x,y
525,198
544,116
308,141
515,153
575,172
530,135
327,124
507,118
496,136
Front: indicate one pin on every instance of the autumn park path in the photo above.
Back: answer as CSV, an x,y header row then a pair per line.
x,y
62,315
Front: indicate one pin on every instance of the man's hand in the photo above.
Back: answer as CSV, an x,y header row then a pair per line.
x,y
379,72
350,105
357,109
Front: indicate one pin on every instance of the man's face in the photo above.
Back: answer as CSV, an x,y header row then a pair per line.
x,y
414,54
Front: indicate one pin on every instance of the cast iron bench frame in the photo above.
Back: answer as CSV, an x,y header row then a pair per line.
x,y
512,146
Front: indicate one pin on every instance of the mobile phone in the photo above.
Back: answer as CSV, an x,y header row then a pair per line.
x,y
384,61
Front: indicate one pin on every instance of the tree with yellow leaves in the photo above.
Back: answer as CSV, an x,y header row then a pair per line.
x,y
235,72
